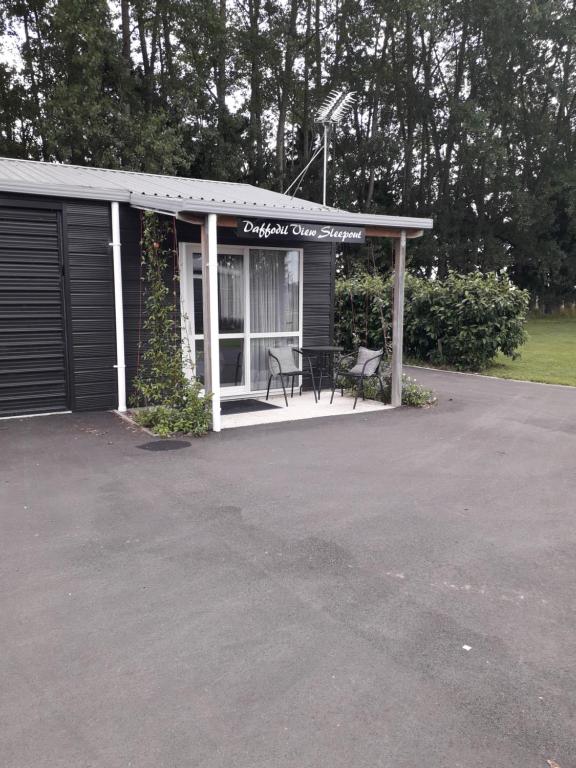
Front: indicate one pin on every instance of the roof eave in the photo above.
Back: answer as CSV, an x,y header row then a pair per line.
x,y
66,190
175,206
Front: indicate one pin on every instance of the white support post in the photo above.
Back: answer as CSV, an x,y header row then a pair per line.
x,y
118,306
398,318
210,302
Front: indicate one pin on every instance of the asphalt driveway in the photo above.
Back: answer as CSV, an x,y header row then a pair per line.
x,y
391,590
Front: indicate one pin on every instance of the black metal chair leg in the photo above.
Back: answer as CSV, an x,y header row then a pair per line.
x,y
292,390
284,389
268,389
333,389
313,380
362,386
357,394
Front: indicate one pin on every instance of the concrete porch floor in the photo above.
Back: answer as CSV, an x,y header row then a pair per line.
x,y
301,407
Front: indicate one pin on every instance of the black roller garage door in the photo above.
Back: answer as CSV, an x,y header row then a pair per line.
x,y
32,323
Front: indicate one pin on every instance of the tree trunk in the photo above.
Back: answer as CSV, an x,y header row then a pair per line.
x,y
285,91
255,135
125,27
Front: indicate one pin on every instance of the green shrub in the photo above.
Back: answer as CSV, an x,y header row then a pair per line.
x,y
416,395
192,416
463,321
413,394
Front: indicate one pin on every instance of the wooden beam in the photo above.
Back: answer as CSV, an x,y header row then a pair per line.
x,y
227,221
381,232
394,233
191,218
398,318
194,218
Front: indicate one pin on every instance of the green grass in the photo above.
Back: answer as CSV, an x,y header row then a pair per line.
x,y
549,355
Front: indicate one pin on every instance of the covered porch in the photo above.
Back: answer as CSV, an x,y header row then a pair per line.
x,y
234,343
253,283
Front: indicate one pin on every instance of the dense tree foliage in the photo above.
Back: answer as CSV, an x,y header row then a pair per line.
x,y
465,108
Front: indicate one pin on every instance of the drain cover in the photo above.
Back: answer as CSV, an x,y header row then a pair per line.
x,y
164,445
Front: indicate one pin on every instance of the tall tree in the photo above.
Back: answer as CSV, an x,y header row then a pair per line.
x,y
465,111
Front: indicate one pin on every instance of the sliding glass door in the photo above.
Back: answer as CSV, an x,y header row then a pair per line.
x,y
259,307
274,307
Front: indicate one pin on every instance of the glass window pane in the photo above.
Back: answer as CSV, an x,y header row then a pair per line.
x,y
274,290
259,359
231,293
197,263
199,366
198,306
231,362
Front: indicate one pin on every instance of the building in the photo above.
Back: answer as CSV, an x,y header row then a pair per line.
x,y
256,267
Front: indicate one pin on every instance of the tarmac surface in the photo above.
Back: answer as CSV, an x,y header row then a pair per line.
x,y
387,590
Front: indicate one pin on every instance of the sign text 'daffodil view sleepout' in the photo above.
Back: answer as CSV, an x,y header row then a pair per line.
x,y
295,231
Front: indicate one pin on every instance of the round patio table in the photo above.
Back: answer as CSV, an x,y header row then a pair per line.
x,y
323,354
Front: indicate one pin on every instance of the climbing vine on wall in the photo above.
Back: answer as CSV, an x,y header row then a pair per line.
x,y
160,379
171,402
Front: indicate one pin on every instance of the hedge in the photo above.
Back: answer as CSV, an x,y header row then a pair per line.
x,y
462,322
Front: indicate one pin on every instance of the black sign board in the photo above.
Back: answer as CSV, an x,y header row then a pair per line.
x,y
298,232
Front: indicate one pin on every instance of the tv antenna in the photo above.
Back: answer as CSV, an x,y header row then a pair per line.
x,y
332,111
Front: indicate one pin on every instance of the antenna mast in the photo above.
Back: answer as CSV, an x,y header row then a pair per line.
x,y
332,111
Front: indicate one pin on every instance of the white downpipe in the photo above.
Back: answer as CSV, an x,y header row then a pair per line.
x,y
118,306
212,264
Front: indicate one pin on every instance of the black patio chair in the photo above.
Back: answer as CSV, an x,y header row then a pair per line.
x,y
281,363
367,366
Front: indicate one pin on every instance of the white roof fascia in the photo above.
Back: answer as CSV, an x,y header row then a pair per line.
x,y
173,206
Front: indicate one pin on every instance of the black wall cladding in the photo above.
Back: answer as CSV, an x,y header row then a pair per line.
x,y
318,299
33,360
92,327
58,325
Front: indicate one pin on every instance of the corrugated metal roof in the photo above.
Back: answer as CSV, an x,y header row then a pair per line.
x,y
172,194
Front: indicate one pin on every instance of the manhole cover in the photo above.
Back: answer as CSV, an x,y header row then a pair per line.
x,y
164,445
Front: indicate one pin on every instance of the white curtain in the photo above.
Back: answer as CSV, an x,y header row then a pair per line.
x,y
231,293
274,290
